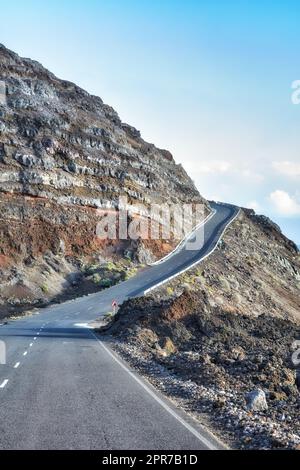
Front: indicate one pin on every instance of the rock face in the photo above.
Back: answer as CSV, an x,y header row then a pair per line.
x,y
63,155
256,400
60,143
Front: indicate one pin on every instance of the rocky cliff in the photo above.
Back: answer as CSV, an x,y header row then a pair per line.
x,y
64,155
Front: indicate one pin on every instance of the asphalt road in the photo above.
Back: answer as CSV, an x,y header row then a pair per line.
x,y
61,388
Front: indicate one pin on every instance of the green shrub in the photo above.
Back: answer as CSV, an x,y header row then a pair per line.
x,y
108,315
106,283
45,288
110,266
170,290
96,278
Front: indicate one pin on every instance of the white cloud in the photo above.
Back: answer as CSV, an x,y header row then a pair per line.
x,y
215,166
285,204
254,205
252,176
287,168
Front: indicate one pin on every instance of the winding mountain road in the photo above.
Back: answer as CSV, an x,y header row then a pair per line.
x,y
62,388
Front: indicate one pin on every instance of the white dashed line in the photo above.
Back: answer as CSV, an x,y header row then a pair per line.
x,y
16,365
25,353
4,383
90,308
31,344
34,338
38,333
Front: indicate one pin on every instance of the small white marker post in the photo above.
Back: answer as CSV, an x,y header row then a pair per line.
x,y
114,306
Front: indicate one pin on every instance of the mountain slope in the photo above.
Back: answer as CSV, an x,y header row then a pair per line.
x,y
65,158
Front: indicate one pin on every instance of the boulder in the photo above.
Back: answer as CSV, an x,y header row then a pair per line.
x,y
256,400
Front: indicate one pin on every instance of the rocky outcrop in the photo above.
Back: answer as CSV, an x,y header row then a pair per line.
x,y
61,143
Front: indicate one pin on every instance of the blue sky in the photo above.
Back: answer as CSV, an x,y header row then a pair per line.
x,y
209,80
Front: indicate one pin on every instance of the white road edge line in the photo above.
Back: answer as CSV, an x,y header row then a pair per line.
x,y
17,365
190,428
25,353
4,383
194,264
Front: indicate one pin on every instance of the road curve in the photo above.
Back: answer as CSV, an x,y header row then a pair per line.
x,y
62,388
